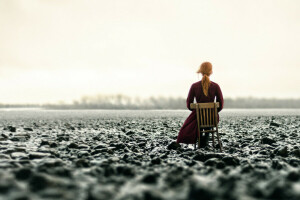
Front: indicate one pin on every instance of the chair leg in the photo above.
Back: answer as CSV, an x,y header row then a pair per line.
x,y
213,139
219,141
198,140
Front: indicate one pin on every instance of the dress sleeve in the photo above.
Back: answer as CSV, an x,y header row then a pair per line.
x,y
220,98
190,98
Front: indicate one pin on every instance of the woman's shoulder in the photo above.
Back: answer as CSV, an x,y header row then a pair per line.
x,y
214,84
196,84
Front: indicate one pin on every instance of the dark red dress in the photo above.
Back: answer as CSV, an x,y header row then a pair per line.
x,y
188,131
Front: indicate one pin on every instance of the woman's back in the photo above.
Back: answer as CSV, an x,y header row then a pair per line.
x,y
196,91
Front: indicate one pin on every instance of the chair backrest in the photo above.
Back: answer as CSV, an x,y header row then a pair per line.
x,y
207,114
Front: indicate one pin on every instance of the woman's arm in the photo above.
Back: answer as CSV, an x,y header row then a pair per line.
x,y
190,98
219,98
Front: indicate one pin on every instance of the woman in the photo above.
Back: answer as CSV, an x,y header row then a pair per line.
x,y
205,91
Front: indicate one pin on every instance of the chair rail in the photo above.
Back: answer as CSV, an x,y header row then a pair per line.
x,y
204,105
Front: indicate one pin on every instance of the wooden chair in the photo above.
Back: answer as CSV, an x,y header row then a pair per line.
x,y
207,117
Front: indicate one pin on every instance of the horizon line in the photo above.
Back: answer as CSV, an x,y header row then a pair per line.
x,y
62,102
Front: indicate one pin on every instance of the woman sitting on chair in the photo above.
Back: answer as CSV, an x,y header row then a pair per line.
x,y
205,91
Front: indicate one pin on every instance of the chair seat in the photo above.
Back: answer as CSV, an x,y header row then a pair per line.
x,y
209,131
207,126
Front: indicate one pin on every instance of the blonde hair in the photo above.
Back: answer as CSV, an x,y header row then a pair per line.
x,y
206,70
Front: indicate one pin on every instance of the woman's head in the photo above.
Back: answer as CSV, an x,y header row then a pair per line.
x,y
206,70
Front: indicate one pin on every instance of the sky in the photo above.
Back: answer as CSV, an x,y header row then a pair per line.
x,y
60,50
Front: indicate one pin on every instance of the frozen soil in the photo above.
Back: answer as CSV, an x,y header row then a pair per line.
x,y
135,157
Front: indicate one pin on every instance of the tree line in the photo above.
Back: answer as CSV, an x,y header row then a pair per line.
x,y
120,101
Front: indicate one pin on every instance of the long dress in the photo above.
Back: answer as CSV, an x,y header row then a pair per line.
x,y
188,131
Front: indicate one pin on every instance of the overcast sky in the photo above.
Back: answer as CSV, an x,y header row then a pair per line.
x,y
60,50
